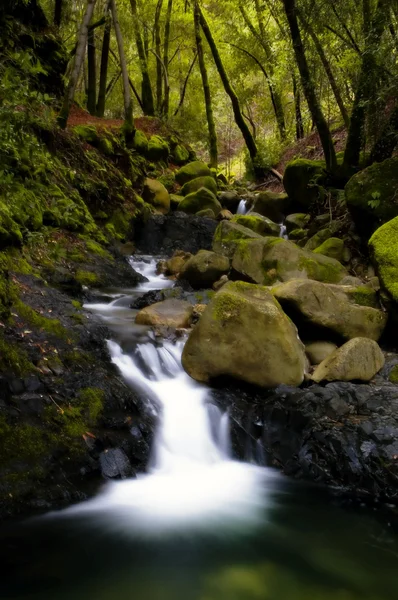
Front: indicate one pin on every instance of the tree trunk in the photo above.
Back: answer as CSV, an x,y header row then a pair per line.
x,y
106,42
146,95
159,68
297,109
58,13
366,87
239,119
308,87
271,66
388,141
92,73
184,87
328,70
79,59
129,128
206,89
166,101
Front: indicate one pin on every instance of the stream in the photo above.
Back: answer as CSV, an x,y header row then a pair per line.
x,y
198,525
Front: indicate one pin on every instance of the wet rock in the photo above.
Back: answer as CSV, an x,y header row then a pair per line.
x,y
225,215
155,194
115,464
204,269
228,235
272,205
318,351
169,313
175,264
359,359
296,221
230,200
258,224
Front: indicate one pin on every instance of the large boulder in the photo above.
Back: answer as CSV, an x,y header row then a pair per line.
x,y
244,334
272,205
301,179
175,264
191,171
204,269
175,200
358,360
297,221
333,247
384,251
198,201
230,200
312,304
155,194
158,148
169,313
372,195
195,184
272,259
228,235
258,224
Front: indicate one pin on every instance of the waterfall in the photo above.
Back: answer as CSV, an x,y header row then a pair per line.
x,y
282,232
242,208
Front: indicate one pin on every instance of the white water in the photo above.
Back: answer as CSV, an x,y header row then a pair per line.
x,y
192,482
147,267
242,208
282,232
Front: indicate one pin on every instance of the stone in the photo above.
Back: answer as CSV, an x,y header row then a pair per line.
x,y
360,359
328,308
225,215
140,142
258,224
317,352
155,194
228,235
158,148
244,334
204,269
180,154
175,200
169,313
194,185
200,200
301,179
207,212
220,283
383,247
272,259
371,196
272,205
297,221
192,170
230,200
115,464
333,247
175,264
298,235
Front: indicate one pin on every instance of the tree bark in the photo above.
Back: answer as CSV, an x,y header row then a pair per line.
x,y
129,128
78,61
106,42
58,13
159,68
92,72
184,87
239,119
308,86
206,89
166,101
297,109
146,95
366,87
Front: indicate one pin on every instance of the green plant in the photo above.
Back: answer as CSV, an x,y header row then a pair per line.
x,y
375,202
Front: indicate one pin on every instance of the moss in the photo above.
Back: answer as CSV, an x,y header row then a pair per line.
x,y
96,248
298,234
393,376
227,306
364,296
384,248
260,225
86,278
168,180
180,155
332,247
120,224
158,148
92,401
76,304
14,359
191,171
77,359
36,320
324,272
140,142
87,133
83,412
22,441
300,180
196,184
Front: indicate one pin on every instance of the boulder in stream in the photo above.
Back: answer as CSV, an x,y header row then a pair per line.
x,y
200,200
258,224
171,313
204,269
360,359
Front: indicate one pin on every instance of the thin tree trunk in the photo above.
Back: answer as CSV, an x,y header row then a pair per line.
x,y
308,87
184,87
328,69
206,89
112,84
129,128
159,69
239,119
297,109
106,42
92,73
366,86
58,13
146,95
79,59
166,100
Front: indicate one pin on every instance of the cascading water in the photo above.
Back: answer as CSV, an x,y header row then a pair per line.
x,y
242,208
192,480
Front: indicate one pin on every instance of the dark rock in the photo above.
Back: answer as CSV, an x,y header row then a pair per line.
x,y
115,464
16,385
30,404
32,383
163,234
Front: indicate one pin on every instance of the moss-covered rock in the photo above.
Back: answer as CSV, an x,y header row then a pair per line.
x,y
298,235
360,359
228,235
371,195
230,200
327,307
195,184
272,205
169,313
191,171
300,180
333,247
272,259
204,269
244,334
158,148
140,142
383,246
180,154
207,212
175,200
200,200
155,194
297,221
258,224
175,264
